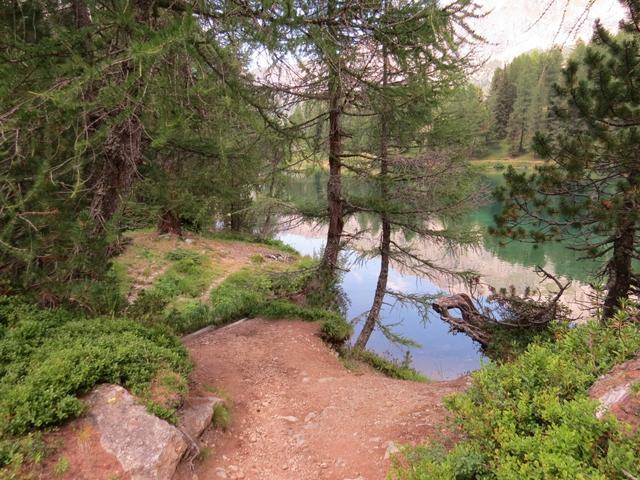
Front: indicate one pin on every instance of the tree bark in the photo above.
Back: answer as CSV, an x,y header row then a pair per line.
x,y
381,288
385,241
471,322
619,268
334,185
122,156
169,223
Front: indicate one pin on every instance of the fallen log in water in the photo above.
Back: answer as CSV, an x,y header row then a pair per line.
x,y
471,323
517,314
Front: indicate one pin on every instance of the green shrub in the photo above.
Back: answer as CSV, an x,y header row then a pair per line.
x,y
221,417
16,452
336,330
182,254
167,414
48,357
532,418
148,306
188,316
247,237
389,368
240,295
188,276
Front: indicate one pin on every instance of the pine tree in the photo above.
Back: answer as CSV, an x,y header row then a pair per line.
x,y
588,191
413,62
502,96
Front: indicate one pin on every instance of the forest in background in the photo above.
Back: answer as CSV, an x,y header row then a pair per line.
x,y
117,116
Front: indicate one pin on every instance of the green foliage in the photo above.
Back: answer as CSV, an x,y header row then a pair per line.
x,y
221,417
336,330
587,190
189,275
61,466
98,104
17,452
48,357
532,418
520,97
389,368
249,292
160,411
240,295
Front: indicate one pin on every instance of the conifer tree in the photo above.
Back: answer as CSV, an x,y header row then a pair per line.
x,y
91,95
588,191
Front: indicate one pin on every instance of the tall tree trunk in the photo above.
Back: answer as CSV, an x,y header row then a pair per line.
x,y
123,147
381,287
334,185
521,145
385,241
619,268
121,158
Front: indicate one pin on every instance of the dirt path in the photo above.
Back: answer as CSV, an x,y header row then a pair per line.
x,y
298,413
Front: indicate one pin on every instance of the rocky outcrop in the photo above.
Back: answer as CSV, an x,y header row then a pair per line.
x,y
146,446
617,392
196,415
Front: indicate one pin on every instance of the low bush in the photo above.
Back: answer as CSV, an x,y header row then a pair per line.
x,y
532,418
189,275
387,367
334,328
49,357
250,238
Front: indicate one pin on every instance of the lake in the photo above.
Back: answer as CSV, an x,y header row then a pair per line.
x,y
442,355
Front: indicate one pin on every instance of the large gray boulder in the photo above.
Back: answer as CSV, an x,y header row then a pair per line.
x,y
147,447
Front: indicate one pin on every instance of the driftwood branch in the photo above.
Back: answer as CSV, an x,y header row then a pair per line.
x,y
506,312
471,322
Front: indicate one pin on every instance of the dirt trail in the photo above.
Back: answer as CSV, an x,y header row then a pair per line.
x,y
298,413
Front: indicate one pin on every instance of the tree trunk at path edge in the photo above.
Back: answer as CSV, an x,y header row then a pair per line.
x,y
619,268
385,241
381,287
334,185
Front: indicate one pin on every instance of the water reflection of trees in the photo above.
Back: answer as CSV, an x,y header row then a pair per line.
x,y
501,265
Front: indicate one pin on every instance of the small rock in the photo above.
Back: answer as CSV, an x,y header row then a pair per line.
x,y
221,473
392,449
290,419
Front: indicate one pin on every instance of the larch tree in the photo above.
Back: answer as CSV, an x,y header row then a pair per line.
x,y
93,92
413,59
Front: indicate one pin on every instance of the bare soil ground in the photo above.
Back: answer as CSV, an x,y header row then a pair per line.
x,y
298,413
